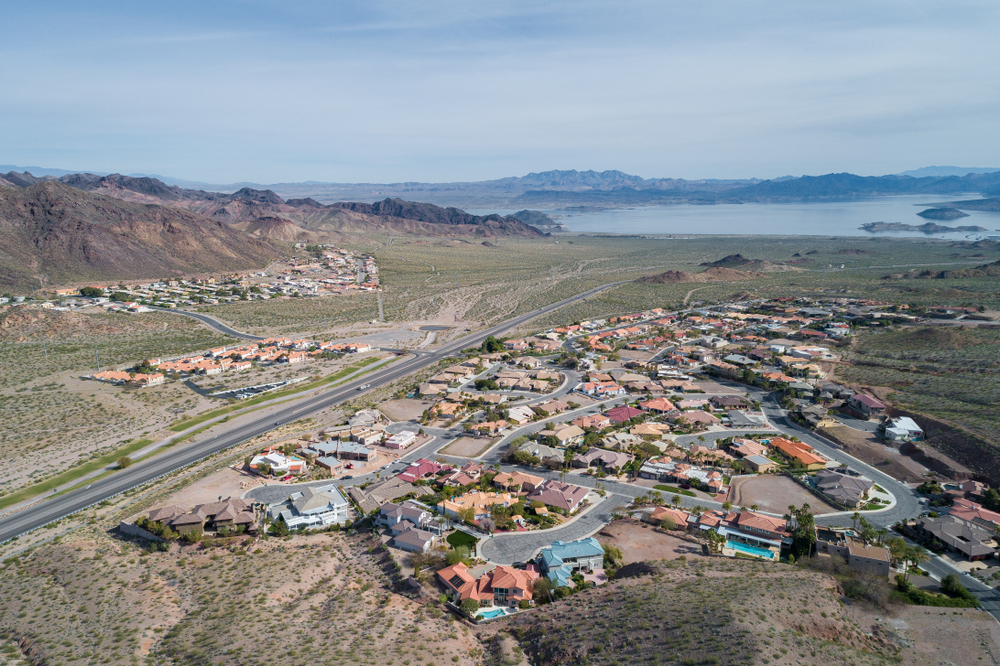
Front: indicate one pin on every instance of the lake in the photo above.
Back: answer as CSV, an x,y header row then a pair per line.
x,y
841,218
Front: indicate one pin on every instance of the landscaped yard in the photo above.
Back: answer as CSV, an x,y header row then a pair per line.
x,y
459,538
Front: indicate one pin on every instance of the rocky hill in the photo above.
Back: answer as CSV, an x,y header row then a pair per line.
x,y
57,234
264,214
714,274
942,214
984,270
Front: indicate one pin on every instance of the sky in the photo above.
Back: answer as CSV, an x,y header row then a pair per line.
x,y
389,91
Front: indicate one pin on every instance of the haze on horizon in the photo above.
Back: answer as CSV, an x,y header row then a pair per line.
x,y
445,91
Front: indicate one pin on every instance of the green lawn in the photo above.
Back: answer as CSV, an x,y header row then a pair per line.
x,y
675,490
72,474
457,539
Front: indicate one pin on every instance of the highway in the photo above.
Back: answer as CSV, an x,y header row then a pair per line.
x,y
60,506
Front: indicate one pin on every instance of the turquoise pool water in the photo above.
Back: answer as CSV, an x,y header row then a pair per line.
x,y
751,550
492,613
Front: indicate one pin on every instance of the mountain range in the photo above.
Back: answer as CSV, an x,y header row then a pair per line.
x,y
572,188
84,227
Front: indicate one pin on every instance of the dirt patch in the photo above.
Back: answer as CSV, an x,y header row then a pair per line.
x,y
934,635
467,447
406,409
219,485
866,446
640,542
774,494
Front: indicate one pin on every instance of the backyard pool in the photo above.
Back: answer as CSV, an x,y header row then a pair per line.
x,y
750,550
491,614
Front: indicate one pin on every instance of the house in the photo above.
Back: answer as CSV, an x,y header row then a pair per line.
x,y
401,440
230,514
278,462
843,486
562,558
609,460
414,540
596,421
760,463
478,501
601,390
865,405
421,469
521,414
622,414
695,417
975,513
752,529
542,451
566,434
650,430
371,498
550,407
503,586
681,518
368,437
311,508
727,402
517,482
799,452
658,405
903,429
400,517
620,440
748,447
860,556
973,541
341,449
559,495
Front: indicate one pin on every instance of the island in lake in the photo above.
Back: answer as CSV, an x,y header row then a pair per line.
x,y
942,214
926,228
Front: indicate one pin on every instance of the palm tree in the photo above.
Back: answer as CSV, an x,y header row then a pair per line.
x,y
855,518
753,507
918,555
676,500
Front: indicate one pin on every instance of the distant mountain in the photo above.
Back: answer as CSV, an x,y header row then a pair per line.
x,y
938,171
58,234
264,214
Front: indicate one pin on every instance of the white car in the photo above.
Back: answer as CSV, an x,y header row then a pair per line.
x,y
364,386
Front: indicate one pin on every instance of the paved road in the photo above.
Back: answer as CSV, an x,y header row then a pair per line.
x,y
523,546
907,504
61,506
211,322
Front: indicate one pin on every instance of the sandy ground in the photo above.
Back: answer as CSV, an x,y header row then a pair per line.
x,y
406,409
774,494
640,542
865,446
936,636
220,485
468,447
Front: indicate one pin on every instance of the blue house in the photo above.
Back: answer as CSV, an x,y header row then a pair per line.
x,y
562,558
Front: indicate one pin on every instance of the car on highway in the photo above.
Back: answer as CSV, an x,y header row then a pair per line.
x,y
364,386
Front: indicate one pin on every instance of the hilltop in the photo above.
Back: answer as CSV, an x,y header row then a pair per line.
x,y
714,274
264,214
58,234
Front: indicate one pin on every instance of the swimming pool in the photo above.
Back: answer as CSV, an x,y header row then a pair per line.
x,y
750,550
491,614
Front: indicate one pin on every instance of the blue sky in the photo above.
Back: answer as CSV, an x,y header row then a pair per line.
x,y
452,91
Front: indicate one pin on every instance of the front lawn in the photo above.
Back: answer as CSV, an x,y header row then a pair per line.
x,y
459,538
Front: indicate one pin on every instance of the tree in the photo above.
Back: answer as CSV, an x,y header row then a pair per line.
x,y
753,507
91,292
467,514
917,555
727,505
675,500
668,523
491,345
612,556
804,534
469,607
715,541
541,590
457,555
124,462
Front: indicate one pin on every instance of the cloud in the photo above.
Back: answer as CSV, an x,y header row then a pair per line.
x,y
392,91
